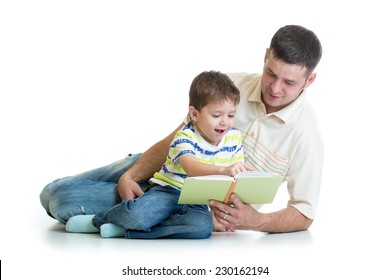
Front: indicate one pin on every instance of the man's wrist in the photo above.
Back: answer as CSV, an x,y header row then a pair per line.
x,y
261,222
131,176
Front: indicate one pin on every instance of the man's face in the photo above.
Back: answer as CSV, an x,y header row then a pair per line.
x,y
282,83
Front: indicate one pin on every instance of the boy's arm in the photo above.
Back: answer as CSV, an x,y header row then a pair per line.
x,y
149,163
193,167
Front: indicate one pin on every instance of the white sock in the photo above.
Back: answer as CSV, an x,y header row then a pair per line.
x,y
81,224
111,230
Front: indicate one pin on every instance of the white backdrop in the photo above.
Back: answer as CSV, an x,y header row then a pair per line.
x,y
83,83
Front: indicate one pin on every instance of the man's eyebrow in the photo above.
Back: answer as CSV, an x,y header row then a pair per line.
x,y
270,70
290,81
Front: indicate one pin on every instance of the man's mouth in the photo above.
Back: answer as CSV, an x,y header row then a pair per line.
x,y
273,96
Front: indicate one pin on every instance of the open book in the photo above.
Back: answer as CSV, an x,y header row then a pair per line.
x,y
251,186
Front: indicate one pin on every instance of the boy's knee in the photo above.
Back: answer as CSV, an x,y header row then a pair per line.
x,y
206,226
132,216
203,224
136,222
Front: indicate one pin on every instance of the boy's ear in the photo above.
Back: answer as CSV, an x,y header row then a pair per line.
x,y
193,113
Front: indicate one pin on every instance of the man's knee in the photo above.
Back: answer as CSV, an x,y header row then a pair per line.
x,y
63,206
46,194
44,197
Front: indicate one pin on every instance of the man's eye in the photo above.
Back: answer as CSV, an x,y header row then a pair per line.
x,y
271,74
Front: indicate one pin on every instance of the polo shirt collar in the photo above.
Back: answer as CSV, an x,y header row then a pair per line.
x,y
284,114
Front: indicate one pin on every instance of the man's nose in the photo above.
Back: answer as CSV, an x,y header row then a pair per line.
x,y
276,86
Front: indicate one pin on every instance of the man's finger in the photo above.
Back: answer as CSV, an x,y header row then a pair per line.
x,y
236,201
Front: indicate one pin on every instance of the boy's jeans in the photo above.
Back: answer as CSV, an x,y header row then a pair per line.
x,y
157,215
95,192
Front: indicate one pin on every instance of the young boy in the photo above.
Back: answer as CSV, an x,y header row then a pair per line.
x,y
208,144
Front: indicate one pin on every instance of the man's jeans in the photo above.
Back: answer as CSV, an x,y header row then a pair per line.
x,y
156,214
95,192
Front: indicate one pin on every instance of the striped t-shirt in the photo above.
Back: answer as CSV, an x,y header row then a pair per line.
x,y
188,141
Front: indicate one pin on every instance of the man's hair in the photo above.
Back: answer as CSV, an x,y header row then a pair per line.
x,y
295,44
210,86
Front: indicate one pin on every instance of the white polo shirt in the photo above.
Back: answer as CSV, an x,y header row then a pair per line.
x,y
287,142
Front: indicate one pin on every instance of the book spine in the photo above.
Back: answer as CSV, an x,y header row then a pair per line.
x,y
230,191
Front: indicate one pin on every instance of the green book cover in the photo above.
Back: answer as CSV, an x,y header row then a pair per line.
x,y
251,186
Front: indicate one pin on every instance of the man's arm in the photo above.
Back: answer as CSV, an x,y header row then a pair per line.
x,y
244,217
149,163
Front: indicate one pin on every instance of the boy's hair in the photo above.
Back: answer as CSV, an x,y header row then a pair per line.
x,y
295,44
210,86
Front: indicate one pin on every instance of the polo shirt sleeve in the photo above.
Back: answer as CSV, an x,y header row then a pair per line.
x,y
304,181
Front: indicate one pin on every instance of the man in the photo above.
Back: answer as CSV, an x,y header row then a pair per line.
x,y
280,135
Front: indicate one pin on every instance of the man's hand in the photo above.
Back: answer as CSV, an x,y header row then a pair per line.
x,y
240,216
237,216
218,226
128,189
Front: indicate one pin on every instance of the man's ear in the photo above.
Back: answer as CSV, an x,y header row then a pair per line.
x,y
266,55
310,80
193,113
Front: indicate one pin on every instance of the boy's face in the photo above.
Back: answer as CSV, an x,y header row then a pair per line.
x,y
214,120
282,83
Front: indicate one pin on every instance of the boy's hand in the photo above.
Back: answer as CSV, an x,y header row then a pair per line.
x,y
236,168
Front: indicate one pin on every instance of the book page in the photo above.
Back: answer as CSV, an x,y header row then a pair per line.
x,y
214,177
255,174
